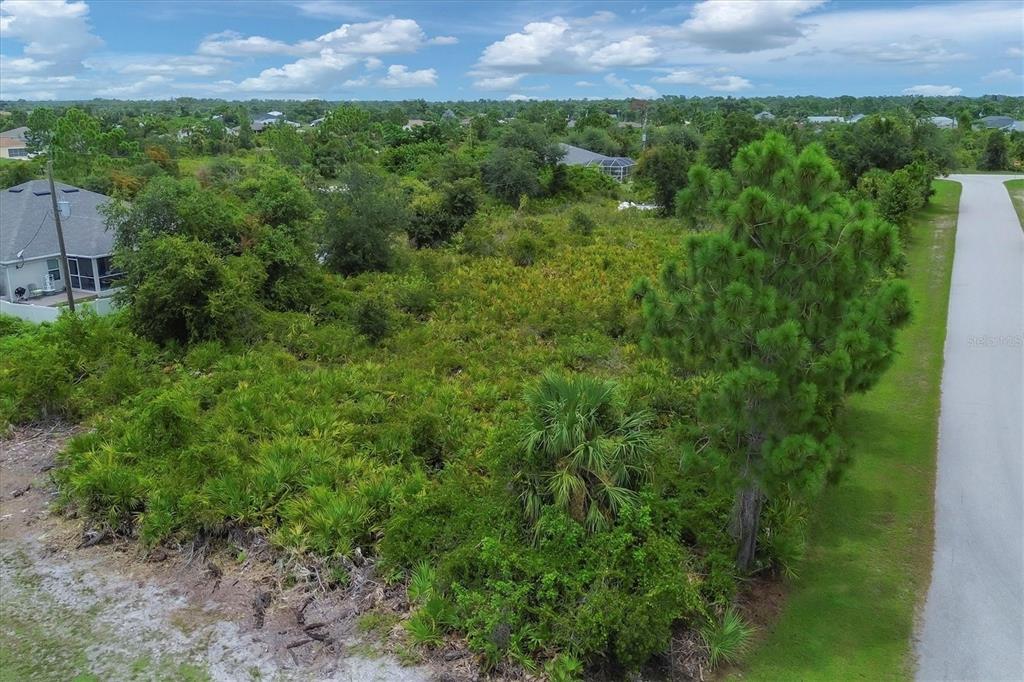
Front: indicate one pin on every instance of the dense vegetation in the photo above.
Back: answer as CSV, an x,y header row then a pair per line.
x,y
441,347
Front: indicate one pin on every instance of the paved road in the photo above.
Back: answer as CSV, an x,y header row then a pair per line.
x,y
973,622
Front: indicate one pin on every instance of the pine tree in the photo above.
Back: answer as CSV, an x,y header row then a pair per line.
x,y
790,305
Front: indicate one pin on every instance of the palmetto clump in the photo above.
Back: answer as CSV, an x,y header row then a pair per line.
x,y
580,452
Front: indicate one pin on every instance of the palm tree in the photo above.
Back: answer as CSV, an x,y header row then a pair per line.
x,y
580,452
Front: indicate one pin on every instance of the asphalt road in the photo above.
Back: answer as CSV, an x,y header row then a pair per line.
x,y
973,622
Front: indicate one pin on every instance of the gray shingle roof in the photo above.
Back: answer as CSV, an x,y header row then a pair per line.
x,y
997,121
26,222
578,156
15,133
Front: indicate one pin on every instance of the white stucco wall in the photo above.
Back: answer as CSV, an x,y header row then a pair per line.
x,y
31,272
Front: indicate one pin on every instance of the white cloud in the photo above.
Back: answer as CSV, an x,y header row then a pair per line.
x,y
1002,75
725,83
1014,52
747,26
933,90
305,75
150,85
400,76
633,51
332,9
23,65
498,82
915,50
57,31
519,98
630,89
164,64
373,37
233,44
372,63
561,46
584,84
444,40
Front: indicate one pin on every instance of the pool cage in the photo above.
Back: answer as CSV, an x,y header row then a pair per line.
x,y
619,167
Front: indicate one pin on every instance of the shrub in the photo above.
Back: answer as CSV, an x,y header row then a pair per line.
x,y
726,639
580,453
525,249
581,223
362,219
372,317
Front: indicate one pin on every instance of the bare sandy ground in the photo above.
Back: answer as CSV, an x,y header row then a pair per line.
x,y
110,612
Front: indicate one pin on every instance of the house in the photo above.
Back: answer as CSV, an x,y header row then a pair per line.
x,y
820,120
317,121
942,122
414,123
13,143
448,115
764,116
629,124
855,118
29,252
618,167
996,122
260,123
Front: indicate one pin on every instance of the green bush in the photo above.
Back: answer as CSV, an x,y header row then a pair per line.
x,y
581,223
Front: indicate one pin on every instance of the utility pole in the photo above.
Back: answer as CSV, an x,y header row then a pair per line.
x,y
60,238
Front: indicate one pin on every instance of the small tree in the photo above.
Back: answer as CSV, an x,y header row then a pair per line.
x,y
287,144
995,156
790,307
511,173
666,167
362,219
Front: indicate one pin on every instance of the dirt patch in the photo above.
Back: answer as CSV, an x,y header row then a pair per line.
x,y
212,610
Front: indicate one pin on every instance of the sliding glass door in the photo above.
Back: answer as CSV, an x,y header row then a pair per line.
x,y
81,273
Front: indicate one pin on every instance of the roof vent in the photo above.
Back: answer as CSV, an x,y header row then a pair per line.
x,y
69,190
16,189
42,193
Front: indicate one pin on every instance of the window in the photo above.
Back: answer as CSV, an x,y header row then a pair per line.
x,y
108,274
53,269
81,274
17,153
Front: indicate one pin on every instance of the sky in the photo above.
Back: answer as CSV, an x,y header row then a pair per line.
x,y
447,50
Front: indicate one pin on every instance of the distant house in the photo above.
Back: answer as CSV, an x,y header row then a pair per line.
x,y
260,123
942,122
629,124
414,123
764,116
29,253
317,121
821,120
996,122
13,143
448,115
618,167
854,118
1017,127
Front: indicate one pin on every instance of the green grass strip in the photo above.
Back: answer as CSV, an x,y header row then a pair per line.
x,y
850,612
1016,190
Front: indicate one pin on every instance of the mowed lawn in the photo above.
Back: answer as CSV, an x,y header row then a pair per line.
x,y
1016,190
850,611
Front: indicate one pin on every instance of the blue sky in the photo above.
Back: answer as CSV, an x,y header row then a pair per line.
x,y
342,49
